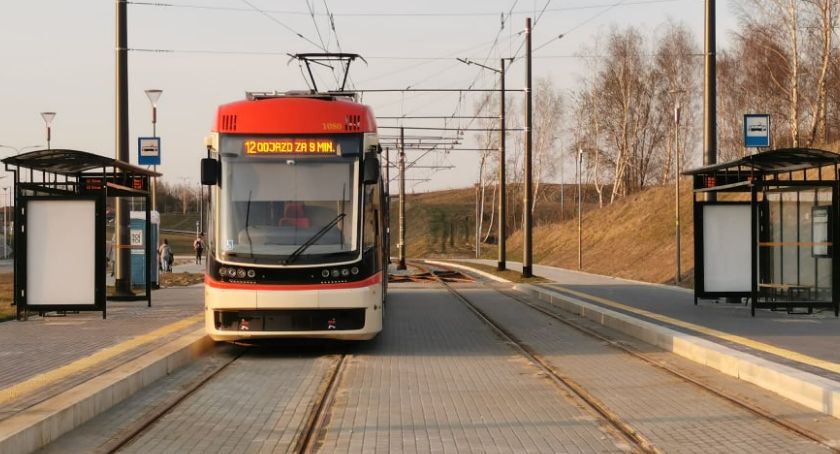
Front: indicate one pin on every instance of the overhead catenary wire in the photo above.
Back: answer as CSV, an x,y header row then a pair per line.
x,y
278,22
412,14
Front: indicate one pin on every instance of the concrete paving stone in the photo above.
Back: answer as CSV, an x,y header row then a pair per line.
x,y
674,415
447,383
809,334
244,409
41,344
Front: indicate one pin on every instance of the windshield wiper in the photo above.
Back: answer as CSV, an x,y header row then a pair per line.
x,y
317,236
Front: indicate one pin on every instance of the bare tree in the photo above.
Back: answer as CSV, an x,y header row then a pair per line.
x,y
548,110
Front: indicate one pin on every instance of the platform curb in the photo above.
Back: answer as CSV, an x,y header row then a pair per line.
x,y
41,424
807,389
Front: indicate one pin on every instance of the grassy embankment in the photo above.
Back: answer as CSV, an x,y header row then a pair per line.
x,y
632,238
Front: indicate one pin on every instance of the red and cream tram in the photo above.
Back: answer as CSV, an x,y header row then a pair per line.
x,y
297,220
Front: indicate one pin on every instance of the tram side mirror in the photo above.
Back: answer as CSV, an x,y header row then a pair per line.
x,y
209,172
371,175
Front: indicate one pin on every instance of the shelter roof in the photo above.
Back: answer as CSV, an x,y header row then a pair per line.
x,y
775,161
71,162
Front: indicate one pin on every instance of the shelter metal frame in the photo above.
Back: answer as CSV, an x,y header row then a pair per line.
x,y
790,170
61,174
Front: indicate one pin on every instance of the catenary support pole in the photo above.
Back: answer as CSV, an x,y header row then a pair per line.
x,y
527,202
710,91
123,262
502,265
402,245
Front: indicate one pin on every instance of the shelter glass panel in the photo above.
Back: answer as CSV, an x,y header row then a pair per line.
x,y
795,245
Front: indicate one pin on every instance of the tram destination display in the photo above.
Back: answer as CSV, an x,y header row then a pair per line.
x,y
290,145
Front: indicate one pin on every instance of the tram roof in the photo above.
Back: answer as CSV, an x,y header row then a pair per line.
x,y
71,162
295,113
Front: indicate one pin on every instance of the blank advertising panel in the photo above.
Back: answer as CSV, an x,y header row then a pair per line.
x,y
726,248
60,252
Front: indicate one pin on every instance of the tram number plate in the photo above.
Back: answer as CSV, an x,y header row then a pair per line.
x,y
289,146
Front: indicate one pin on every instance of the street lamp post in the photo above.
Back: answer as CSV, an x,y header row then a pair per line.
x,y
5,222
678,272
154,95
48,119
580,207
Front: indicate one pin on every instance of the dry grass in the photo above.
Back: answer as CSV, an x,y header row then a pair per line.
x,y
632,239
180,279
7,311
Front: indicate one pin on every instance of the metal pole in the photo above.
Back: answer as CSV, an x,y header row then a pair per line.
x,y
502,187
580,207
710,92
154,179
49,136
388,172
5,223
677,190
200,208
401,265
526,249
123,263
477,216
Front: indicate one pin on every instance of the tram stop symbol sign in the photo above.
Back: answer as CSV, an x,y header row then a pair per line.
x,y
148,151
756,130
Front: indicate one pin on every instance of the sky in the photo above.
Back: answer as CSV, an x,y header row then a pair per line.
x,y
59,56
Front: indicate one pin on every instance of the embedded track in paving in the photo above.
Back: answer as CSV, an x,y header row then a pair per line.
x,y
307,436
610,416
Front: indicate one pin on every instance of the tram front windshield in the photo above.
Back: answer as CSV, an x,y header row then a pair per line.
x,y
288,210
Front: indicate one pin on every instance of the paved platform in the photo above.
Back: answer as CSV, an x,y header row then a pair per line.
x,y
814,335
46,357
793,355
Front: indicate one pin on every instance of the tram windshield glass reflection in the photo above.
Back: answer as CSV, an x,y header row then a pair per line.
x,y
270,208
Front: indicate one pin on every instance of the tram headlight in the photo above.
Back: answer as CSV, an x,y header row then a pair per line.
x,y
345,272
354,271
251,274
335,273
325,273
240,273
223,271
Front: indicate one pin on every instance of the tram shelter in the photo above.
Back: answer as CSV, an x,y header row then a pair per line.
x,y
764,228
60,226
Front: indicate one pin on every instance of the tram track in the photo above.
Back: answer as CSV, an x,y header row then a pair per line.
x,y
306,440
563,382
598,406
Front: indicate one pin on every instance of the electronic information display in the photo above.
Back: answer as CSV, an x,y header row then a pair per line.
x,y
290,146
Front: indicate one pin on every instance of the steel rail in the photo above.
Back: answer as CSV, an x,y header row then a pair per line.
x,y
121,440
755,409
315,421
562,382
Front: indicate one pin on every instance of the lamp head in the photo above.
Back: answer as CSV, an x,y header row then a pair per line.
x,y
48,117
153,95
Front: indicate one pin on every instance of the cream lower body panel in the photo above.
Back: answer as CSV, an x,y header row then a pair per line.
x,y
368,298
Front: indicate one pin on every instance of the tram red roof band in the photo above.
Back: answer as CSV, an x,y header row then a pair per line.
x,y
373,280
294,115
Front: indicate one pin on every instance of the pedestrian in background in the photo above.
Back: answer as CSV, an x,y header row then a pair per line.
x,y
198,245
166,256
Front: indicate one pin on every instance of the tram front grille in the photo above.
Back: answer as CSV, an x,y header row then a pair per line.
x,y
291,320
